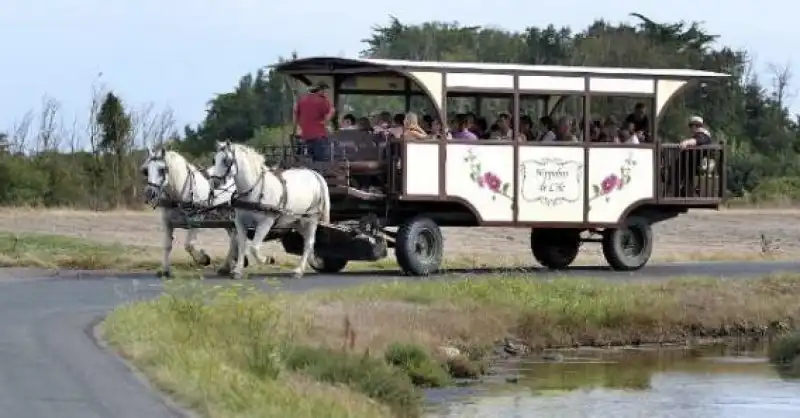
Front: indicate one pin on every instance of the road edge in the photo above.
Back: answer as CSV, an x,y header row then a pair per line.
x,y
92,331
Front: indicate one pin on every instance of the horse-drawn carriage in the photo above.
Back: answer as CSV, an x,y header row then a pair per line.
x,y
567,193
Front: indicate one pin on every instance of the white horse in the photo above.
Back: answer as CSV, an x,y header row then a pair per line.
x,y
170,176
296,198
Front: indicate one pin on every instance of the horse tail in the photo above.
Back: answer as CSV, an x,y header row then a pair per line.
x,y
326,198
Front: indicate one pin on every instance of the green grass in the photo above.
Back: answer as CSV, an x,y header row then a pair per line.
x,y
366,351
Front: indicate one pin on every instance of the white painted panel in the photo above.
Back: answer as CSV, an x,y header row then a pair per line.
x,y
433,83
422,168
618,178
665,90
483,175
480,81
621,85
551,83
551,187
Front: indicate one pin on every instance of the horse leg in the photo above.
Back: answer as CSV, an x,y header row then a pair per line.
x,y
241,245
168,238
308,230
262,229
199,256
225,269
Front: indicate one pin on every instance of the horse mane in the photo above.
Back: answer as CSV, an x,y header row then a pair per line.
x,y
254,158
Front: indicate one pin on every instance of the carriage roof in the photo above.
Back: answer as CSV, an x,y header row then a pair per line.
x,y
332,65
437,80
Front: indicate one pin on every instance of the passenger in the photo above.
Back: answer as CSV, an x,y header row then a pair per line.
x,y
438,131
411,128
348,122
384,122
700,135
398,123
364,125
547,126
481,128
562,132
630,136
525,128
462,128
640,121
427,123
312,114
503,131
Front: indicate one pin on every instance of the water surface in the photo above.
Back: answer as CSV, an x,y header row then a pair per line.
x,y
714,382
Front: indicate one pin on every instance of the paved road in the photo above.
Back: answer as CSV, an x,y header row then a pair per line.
x,y
51,367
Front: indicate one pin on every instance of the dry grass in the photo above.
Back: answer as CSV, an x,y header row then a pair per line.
x,y
203,345
745,234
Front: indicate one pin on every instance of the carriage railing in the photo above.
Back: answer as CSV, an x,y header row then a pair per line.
x,y
691,174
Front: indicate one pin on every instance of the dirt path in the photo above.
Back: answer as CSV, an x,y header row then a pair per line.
x,y
730,232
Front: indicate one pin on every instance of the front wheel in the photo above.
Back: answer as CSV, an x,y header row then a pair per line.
x,y
419,246
326,264
630,246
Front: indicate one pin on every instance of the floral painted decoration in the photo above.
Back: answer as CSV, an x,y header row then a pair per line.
x,y
614,181
486,179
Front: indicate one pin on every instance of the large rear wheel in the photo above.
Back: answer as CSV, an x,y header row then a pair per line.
x,y
419,246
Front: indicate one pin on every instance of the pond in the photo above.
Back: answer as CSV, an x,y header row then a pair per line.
x,y
722,381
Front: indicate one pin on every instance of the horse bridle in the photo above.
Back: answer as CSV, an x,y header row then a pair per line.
x,y
164,173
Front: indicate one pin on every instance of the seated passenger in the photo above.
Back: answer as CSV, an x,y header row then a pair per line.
x,y
629,136
411,128
384,122
427,123
348,122
438,131
700,135
562,132
503,131
640,121
547,125
525,128
397,125
364,125
481,128
462,128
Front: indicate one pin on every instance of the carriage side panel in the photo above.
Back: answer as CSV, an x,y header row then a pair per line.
x,y
421,174
482,175
551,183
619,178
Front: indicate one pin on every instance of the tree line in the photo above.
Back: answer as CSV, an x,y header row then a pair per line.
x,y
749,113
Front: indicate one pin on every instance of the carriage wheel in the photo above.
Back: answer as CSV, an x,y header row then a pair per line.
x,y
419,246
628,247
326,264
555,248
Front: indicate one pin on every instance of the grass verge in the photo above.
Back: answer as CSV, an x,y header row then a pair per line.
x,y
57,251
365,351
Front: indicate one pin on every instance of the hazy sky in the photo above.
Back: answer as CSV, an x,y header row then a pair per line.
x,y
178,53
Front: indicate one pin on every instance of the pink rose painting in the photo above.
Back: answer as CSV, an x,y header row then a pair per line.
x,y
486,179
613,181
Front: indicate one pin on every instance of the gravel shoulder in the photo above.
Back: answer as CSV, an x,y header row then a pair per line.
x,y
736,232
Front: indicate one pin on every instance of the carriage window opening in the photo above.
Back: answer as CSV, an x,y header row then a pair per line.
x,y
624,120
561,120
531,111
484,116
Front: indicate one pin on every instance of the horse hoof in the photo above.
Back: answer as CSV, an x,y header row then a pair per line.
x,y
297,274
224,271
205,260
236,275
163,274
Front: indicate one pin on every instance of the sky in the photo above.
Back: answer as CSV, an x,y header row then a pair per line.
x,y
177,54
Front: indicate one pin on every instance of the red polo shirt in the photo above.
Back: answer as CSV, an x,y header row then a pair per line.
x,y
310,113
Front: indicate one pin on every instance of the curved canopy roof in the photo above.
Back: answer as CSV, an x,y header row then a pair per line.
x,y
324,65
